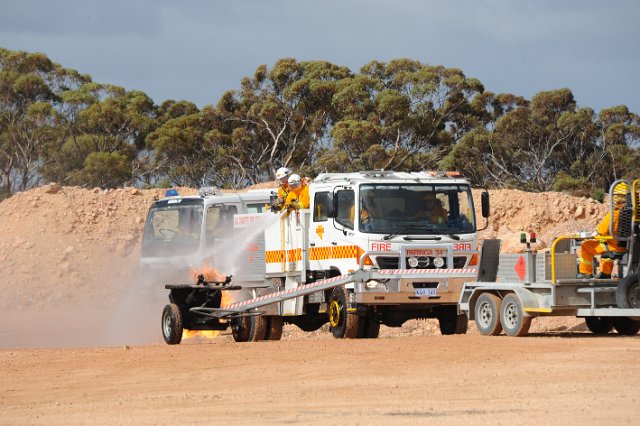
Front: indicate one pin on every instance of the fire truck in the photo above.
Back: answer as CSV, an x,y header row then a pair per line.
x,y
182,232
378,247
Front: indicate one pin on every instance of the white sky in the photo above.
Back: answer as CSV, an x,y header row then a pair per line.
x,y
196,50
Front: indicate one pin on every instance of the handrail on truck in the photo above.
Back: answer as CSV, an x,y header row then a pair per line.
x,y
570,237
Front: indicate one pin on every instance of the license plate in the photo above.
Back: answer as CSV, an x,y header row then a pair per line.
x,y
426,252
426,292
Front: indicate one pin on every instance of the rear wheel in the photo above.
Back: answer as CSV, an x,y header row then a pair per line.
x,y
249,329
514,322
344,325
599,325
487,314
628,293
172,324
626,326
370,328
450,322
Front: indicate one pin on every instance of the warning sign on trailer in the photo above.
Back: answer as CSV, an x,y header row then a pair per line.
x,y
521,268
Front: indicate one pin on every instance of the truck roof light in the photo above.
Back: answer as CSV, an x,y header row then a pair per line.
x,y
171,193
208,190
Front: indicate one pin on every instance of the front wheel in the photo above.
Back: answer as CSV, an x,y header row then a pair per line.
x,y
450,322
599,325
172,324
487,314
343,324
514,322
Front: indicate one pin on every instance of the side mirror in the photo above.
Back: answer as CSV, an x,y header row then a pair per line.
x,y
486,209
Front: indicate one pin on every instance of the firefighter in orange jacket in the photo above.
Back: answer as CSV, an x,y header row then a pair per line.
x,y
298,196
590,248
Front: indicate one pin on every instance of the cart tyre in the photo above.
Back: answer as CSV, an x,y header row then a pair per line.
x,y
172,324
599,325
626,326
259,328
241,329
514,322
487,314
343,325
628,293
274,330
450,322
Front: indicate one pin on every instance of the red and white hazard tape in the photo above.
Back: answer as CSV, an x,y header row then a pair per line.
x,y
284,292
427,271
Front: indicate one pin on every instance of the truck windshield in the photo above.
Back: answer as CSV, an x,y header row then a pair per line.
x,y
172,229
416,209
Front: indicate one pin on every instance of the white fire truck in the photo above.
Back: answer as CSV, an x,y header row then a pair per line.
x,y
182,232
374,248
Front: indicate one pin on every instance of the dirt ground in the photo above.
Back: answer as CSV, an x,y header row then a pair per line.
x,y
80,339
572,378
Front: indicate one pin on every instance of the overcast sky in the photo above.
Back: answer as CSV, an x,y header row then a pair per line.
x,y
196,50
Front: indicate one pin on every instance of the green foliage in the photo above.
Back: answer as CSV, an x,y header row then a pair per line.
x,y
313,116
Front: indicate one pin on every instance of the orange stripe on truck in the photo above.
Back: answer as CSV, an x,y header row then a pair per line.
x,y
315,253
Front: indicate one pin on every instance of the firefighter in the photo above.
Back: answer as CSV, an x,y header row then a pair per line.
x,y
431,209
298,196
282,174
590,248
368,211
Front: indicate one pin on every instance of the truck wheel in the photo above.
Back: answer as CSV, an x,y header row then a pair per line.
x,y
487,314
343,325
599,325
172,324
626,326
370,329
274,330
628,293
450,322
512,318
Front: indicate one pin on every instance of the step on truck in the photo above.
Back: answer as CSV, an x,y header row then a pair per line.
x,y
513,289
373,248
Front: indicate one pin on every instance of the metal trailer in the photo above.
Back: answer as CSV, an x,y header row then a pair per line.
x,y
512,289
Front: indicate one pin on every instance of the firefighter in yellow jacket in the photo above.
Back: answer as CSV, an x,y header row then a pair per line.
x,y
591,248
298,196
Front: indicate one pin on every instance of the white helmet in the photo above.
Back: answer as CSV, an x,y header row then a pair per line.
x,y
282,173
294,181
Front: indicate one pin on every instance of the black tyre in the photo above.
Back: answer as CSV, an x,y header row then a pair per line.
x,y
450,322
343,325
626,326
172,324
599,325
249,329
370,328
487,314
274,329
514,322
628,293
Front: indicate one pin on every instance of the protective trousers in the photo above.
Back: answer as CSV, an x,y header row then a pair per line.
x,y
590,248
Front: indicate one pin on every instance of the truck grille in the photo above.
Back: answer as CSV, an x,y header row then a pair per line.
x,y
389,262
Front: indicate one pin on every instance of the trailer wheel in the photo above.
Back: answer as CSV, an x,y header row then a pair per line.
x,y
274,330
450,322
626,326
343,325
628,293
241,329
370,329
259,328
487,314
512,317
172,324
599,325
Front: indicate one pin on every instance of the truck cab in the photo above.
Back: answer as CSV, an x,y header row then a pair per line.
x,y
184,232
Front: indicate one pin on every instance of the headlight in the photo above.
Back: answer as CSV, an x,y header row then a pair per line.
x,y
375,285
413,262
438,262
